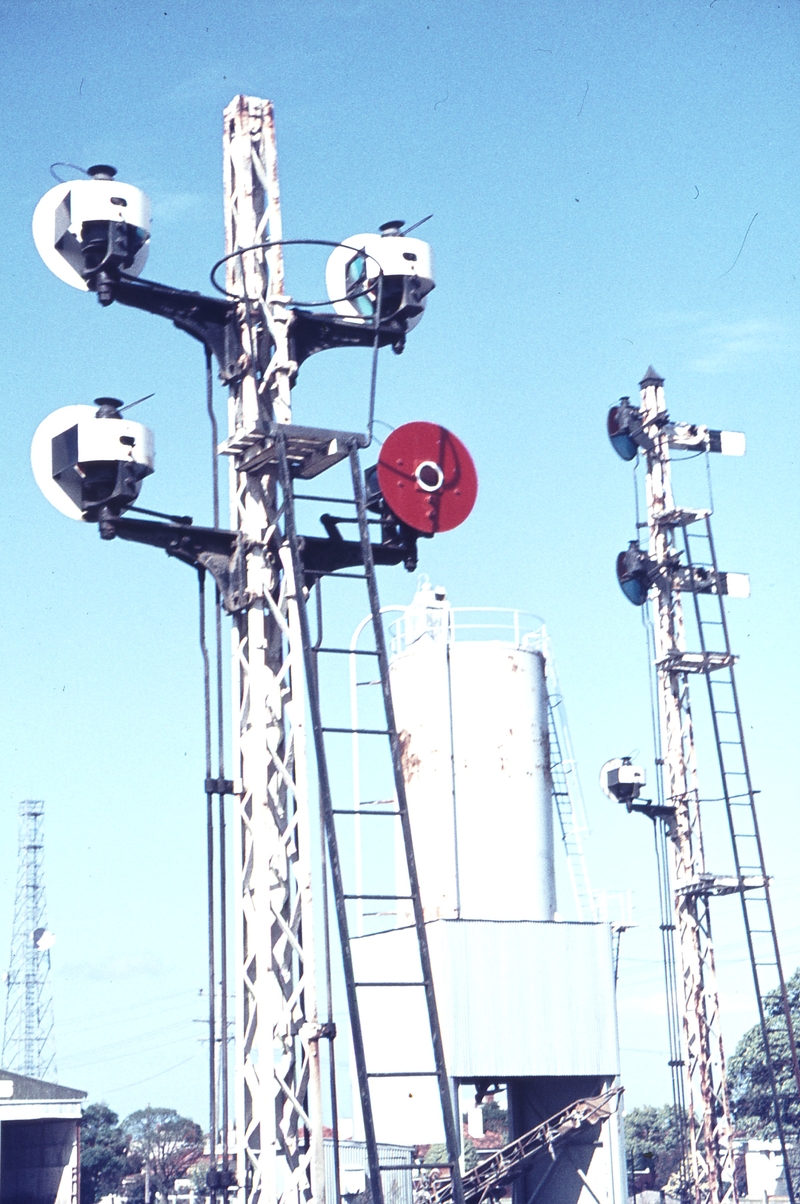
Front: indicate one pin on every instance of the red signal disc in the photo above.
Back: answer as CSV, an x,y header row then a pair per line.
x,y
427,477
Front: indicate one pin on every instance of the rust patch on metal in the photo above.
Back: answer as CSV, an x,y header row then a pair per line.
x,y
409,761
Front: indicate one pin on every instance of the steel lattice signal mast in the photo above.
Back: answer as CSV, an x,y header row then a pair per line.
x,y
28,1032
664,573
262,570
279,1102
706,1087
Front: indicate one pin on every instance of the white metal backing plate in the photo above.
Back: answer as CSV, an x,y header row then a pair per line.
x,y
42,455
67,206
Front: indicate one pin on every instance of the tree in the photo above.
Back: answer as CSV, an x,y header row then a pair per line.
x,y
652,1139
748,1077
104,1153
166,1142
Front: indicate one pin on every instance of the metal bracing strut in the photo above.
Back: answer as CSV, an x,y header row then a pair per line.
x,y
706,1088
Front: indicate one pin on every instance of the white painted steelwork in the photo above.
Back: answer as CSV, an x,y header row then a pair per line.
x,y
473,719
707,1103
279,1109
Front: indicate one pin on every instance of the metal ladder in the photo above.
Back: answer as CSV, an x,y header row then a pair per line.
x,y
348,445
752,882
562,772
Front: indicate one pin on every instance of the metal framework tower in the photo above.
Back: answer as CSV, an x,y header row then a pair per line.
x,y
28,1033
263,571
275,671
706,1088
675,565
279,1106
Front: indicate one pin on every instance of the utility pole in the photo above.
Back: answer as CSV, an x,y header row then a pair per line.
x,y
706,1088
28,1032
279,1110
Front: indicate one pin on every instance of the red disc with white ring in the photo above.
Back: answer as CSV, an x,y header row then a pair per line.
x,y
427,477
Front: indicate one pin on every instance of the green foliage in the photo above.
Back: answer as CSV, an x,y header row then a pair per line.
x,y
495,1119
748,1078
104,1153
168,1142
652,1139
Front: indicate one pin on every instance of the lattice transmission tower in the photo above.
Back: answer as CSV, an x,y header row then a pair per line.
x,y
28,1046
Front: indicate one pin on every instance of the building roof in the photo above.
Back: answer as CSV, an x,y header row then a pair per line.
x,y
20,1087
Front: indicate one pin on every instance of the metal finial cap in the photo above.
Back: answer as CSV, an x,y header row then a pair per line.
x,y
101,171
651,377
108,407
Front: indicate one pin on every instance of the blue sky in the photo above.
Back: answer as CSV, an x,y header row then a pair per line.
x,y
593,169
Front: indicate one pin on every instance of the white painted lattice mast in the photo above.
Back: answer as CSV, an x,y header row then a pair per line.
x,y
709,1120
279,1110
28,1032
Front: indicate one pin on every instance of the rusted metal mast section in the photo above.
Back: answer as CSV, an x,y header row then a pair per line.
x,y
668,570
706,1086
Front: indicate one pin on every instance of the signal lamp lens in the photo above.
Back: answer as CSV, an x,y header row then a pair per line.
x,y
621,441
633,576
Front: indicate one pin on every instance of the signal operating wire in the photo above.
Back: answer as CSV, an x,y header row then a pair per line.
x,y
221,774
212,418
75,167
636,494
376,346
223,884
708,478
212,983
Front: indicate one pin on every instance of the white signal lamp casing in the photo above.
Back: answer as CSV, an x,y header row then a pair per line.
x,y
685,436
621,781
60,216
392,255
627,775
736,585
731,443
114,439
94,441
